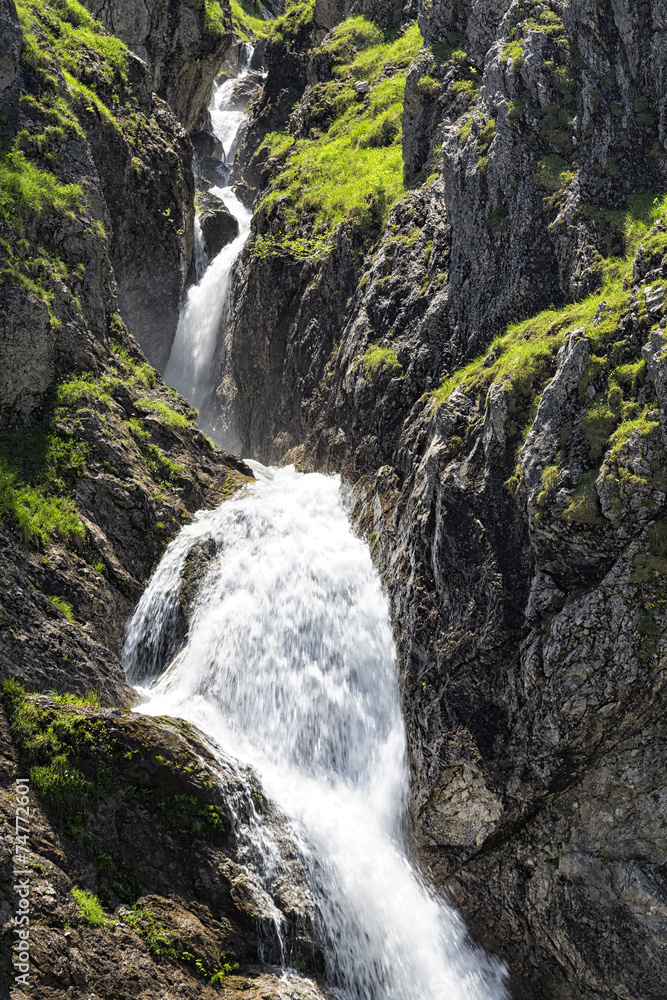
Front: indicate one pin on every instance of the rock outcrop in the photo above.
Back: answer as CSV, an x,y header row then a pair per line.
x,y
124,790
219,227
183,45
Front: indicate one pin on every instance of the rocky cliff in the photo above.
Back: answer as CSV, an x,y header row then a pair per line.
x,y
469,325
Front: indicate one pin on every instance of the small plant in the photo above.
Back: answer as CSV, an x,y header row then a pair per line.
x,y
63,606
90,909
377,359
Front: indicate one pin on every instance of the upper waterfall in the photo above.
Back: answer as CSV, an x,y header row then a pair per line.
x,y
194,364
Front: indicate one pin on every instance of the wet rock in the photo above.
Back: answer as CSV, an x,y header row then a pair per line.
x,y
209,156
162,843
218,225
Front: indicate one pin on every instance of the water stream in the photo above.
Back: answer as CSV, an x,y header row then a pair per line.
x,y
289,666
192,368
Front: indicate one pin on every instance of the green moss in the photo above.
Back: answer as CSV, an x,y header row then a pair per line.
x,y
377,359
62,784
74,759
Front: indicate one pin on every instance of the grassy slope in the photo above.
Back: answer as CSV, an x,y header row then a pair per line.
x,y
83,79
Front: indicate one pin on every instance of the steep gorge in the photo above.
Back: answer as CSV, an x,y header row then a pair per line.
x,y
417,187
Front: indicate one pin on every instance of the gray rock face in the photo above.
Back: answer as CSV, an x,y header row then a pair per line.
x,y
183,57
218,225
10,44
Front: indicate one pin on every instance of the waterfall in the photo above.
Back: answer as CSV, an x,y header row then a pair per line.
x,y
289,665
192,368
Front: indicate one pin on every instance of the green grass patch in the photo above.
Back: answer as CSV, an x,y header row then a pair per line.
x,y
90,910
63,606
167,414
376,359
353,169
37,469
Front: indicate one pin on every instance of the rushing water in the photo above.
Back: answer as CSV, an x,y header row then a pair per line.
x,y
193,368
289,666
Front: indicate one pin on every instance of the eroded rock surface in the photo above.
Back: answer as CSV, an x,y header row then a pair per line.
x,y
181,47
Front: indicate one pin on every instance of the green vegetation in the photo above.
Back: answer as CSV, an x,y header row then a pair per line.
x,y
74,759
584,508
359,139
426,86
64,607
522,358
89,907
37,469
297,248
249,23
552,174
214,19
167,414
376,359
514,51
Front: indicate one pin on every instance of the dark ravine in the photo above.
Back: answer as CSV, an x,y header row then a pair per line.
x,y
515,507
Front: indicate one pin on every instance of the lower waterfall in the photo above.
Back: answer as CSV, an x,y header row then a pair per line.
x,y
289,665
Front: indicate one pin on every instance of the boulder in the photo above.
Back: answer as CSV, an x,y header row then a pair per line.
x,y
218,225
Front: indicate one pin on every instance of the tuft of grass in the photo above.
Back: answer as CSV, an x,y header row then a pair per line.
x,y
64,607
90,910
377,359
166,413
514,51
584,507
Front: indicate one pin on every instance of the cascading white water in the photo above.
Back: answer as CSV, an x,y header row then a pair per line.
x,y
289,665
190,368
